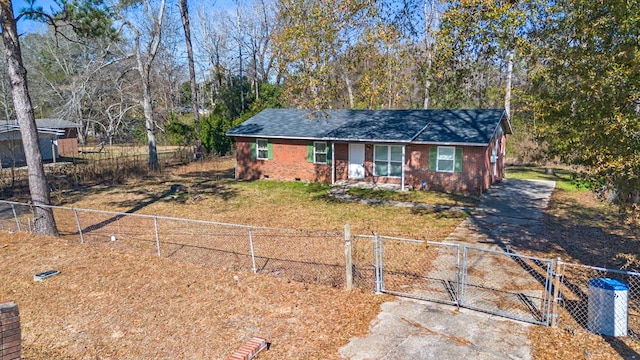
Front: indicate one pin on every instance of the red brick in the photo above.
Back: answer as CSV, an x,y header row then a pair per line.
x,y
9,332
10,320
8,344
237,357
11,354
12,325
290,162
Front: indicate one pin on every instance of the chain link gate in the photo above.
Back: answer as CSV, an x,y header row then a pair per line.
x,y
501,283
418,269
507,284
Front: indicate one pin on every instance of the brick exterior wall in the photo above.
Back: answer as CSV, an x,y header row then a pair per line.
x,y
10,337
290,163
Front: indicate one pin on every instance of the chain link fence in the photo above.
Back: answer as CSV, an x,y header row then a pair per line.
x,y
576,297
299,255
602,301
364,268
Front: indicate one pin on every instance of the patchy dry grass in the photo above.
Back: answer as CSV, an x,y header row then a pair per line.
x,y
212,194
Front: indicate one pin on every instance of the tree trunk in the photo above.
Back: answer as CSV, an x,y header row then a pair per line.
x,y
507,93
149,124
430,14
349,86
184,13
44,222
144,68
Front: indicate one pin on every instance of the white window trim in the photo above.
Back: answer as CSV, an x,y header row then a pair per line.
x,y
266,147
326,152
388,161
453,168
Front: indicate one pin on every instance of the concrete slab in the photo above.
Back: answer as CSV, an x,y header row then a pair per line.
x,y
409,329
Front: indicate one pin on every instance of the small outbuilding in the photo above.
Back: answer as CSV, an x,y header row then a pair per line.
x,y
56,137
457,151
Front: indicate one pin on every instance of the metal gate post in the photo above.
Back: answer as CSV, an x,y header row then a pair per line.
x,y
377,260
75,214
545,304
463,277
155,227
15,215
458,277
557,281
253,254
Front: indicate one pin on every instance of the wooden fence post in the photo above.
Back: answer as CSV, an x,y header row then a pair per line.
x,y
348,257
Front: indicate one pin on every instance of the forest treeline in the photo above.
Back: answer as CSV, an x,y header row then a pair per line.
x,y
567,72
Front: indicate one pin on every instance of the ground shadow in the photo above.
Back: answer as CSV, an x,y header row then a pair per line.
x,y
575,231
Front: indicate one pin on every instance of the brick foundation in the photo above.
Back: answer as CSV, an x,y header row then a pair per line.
x,y
10,338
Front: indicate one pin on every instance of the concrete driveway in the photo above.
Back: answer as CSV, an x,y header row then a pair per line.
x,y
409,329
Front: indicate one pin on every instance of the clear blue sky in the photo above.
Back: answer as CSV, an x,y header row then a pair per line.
x,y
26,26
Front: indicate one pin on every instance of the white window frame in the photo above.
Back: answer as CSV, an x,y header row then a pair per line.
x,y
264,148
316,152
453,159
388,161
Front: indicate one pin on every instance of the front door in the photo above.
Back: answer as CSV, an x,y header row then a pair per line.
x,y
356,161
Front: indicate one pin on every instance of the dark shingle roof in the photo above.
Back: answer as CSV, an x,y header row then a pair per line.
x,y
418,126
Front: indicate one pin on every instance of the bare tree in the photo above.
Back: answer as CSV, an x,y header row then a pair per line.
x,y
214,43
44,222
146,45
65,73
431,20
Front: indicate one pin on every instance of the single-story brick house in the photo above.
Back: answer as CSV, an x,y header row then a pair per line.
x,y
459,151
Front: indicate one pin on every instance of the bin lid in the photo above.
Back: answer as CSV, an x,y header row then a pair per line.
x,y
608,284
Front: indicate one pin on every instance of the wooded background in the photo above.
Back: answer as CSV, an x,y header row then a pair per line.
x,y
566,71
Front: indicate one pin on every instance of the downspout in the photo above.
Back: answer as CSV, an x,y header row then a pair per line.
x,y
333,163
402,172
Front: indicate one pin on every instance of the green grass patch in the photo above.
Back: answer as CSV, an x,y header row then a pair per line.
x,y
425,197
566,179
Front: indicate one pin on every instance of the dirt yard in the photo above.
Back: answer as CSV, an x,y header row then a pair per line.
x,y
107,304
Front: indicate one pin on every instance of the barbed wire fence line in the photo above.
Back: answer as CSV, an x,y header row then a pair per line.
x,y
573,296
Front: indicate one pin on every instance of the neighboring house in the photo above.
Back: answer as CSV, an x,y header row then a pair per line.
x,y
67,143
56,137
460,151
